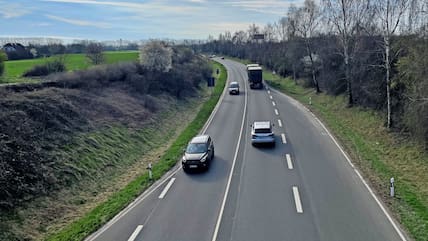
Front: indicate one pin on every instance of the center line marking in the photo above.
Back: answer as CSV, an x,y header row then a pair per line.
x,y
165,190
279,123
270,96
289,163
135,233
268,91
296,195
273,103
283,138
276,112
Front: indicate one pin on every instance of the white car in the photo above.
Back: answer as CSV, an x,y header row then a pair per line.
x,y
262,133
234,88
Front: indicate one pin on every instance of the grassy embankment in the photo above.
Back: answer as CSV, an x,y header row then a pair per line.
x,y
379,153
96,217
14,69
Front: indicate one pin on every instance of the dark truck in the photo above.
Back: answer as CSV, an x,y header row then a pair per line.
x,y
255,77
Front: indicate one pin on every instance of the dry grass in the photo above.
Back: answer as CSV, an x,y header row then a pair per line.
x,y
58,211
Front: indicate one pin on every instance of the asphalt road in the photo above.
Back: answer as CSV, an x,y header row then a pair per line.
x,y
302,189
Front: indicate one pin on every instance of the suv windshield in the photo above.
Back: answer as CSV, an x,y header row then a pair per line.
x,y
196,148
264,130
234,85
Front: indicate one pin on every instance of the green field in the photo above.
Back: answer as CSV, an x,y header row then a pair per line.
x,y
14,69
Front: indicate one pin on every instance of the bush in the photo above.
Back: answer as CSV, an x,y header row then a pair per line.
x,y
94,52
50,67
3,58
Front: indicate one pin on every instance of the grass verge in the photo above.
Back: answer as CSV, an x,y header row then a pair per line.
x,y
94,219
379,153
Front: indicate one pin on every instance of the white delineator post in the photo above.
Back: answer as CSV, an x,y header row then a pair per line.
x,y
150,171
391,187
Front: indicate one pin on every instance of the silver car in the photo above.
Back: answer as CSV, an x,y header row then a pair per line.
x,y
262,133
234,88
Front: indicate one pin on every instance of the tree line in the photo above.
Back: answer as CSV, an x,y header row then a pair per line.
x,y
374,52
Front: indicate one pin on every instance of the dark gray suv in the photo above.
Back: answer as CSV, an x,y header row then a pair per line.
x,y
198,154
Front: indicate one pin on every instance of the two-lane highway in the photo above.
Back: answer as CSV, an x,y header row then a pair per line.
x,y
189,207
304,188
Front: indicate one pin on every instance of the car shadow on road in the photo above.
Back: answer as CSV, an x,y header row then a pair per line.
x,y
218,170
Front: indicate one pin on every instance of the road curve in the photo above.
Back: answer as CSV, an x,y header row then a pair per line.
x,y
189,208
303,189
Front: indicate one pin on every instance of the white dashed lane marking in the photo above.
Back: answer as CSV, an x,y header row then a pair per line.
x,y
135,233
284,140
296,195
168,186
289,162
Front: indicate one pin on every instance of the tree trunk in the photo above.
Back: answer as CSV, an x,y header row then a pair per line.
x,y
294,74
348,76
314,78
388,81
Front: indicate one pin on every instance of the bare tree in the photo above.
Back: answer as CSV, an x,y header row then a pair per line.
x,y
155,55
253,29
346,17
307,21
239,37
269,32
281,29
227,36
389,13
292,22
94,52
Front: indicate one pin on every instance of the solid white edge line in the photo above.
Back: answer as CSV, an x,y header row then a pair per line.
x,y
279,123
276,112
217,106
161,181
226,192
284,140
297,201
289,162
273,103
167,187
135,233
379,203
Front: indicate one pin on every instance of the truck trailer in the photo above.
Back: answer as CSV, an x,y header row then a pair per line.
x,y
255,77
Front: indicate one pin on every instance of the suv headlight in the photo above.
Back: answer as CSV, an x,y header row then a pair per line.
x,y
183,159
203,159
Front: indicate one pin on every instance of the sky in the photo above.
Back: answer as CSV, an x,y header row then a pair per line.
x,y
135,19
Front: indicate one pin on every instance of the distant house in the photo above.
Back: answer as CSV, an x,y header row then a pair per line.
x,y
13,47
16,51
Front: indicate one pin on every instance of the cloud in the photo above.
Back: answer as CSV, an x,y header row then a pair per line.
x,y
200,30
147,7
13,10
276,7
78,22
